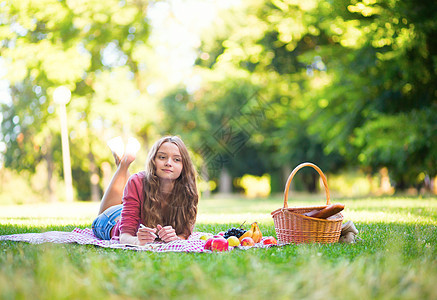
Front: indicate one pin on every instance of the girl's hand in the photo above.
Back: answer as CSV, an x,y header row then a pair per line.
x,y
146,235
167,233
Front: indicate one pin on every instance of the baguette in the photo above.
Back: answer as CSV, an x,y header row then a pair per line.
x,y
329,211
312,213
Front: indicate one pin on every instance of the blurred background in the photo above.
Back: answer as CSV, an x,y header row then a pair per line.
x,y
254,88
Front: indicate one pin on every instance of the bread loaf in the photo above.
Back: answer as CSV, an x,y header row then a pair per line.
x,y
312,213
325,213
329,211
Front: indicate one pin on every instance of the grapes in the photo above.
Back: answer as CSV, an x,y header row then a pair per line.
x,y
234,232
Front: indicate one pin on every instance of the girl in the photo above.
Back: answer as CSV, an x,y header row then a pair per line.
x,y
160,202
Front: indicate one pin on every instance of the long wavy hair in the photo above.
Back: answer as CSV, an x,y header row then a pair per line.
x,y
181,209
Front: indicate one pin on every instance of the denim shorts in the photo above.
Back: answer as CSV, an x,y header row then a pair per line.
x,y
104,222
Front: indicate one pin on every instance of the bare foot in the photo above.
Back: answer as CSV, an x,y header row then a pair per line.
x,y
117,148
130,153
124,155
127,159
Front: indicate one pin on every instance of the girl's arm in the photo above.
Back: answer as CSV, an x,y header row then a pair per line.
x,y
126,238
131,212
144,235
168,234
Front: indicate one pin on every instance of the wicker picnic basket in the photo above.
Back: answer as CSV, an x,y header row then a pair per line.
x,y
293,227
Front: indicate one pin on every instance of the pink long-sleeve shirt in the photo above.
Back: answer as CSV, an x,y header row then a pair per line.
x,y
132,212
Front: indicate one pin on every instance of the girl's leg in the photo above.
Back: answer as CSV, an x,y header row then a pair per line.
x,y
114,193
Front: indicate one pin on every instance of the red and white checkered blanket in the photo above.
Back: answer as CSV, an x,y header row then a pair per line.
x,y
86,237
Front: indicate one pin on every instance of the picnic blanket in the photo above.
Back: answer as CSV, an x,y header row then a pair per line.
x,y
86,237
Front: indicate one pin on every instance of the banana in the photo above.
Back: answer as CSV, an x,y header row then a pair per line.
x,y
248,233
257,234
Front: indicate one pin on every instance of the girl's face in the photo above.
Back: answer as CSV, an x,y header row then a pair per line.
x,y
168,162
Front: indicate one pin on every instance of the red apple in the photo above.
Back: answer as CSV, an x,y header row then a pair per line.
x,y
220,244
270,241
221,233
208,243
247,241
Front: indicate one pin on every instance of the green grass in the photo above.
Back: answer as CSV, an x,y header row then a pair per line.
x,y
395,260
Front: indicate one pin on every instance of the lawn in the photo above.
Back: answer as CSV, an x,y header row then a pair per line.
x,y
396,258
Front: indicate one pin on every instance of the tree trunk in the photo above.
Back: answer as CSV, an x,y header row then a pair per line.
x,y
434,185
225,185
311,183
286,171
48,156
205,176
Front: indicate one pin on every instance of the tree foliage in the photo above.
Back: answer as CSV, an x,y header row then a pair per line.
x,y
339,83
94,48
351,82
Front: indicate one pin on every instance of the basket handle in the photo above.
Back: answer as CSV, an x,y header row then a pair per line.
x,y
306,164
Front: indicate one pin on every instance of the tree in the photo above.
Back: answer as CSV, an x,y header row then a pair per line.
x,y
249,44
87,46
215,122
381,114
338,73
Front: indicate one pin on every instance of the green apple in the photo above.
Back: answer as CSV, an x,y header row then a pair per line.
x,y
206,236
233,241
